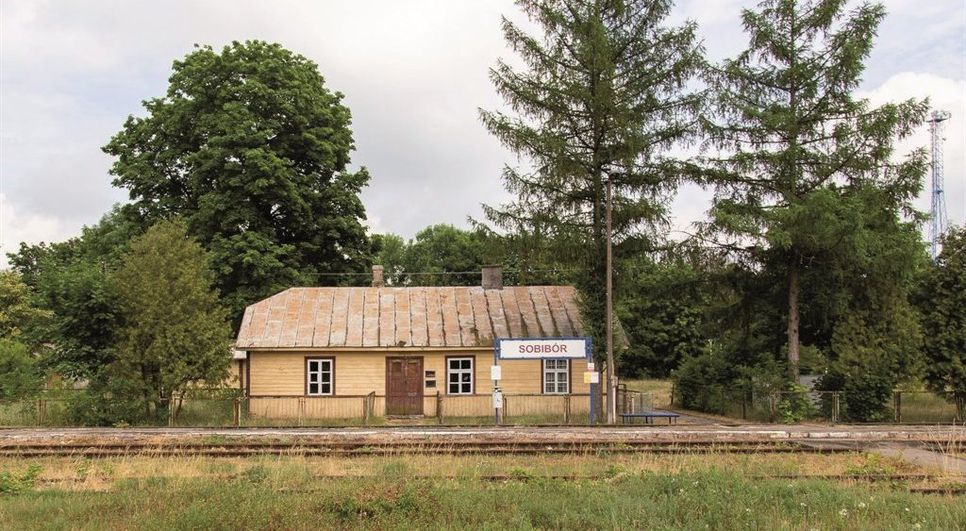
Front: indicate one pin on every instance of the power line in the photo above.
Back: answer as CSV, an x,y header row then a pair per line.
x,y
448,273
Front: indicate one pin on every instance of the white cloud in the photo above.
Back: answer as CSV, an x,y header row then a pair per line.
x,y
17,226
414,74
946,94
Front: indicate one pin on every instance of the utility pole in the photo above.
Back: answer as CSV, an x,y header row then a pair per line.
x,y
611,366
937,211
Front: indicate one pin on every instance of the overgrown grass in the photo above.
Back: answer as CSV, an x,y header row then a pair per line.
x,y
726,491
396,500
659,391
925,407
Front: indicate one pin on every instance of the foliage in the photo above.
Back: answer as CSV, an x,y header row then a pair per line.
x,y
74,283
435,251
19,315
175,333
389,251
19,375
252,150
13,483
804,164
603,96
662,311
704,383
944,318
444,248
794,405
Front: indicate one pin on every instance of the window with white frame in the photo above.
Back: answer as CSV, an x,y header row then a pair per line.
x,y
556,376
459,376
318,377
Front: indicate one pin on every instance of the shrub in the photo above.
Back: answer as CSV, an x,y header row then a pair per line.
x,y
702,383
19,375
795,404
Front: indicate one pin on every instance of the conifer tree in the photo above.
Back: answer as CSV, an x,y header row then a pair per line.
x,y
793,151
603,96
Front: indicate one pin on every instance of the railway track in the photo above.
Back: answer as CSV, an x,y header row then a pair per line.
x,y
348,449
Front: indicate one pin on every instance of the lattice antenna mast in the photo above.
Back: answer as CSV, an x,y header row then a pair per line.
x,y
937,212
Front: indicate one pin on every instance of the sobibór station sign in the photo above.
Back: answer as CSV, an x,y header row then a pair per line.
x,y
526,349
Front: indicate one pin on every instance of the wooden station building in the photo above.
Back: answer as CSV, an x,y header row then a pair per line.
x,y
316,352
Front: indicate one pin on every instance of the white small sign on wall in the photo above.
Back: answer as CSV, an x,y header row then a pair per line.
x,y
591,377
496,373
497,399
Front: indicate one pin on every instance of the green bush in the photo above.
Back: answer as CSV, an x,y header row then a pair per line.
x,y
703,383
795,405
19,375
866,397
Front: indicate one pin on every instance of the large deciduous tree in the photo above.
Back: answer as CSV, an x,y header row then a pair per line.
x,y
252,150
175,332
805,180
603,96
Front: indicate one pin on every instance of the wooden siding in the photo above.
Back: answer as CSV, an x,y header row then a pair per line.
x,y
361,373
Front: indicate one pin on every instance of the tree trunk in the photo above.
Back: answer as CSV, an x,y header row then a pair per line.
x,y
793,320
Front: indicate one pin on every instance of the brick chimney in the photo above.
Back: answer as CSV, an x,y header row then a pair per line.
x,y
492,277
377,279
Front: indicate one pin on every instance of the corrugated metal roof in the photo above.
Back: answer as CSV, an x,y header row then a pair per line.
x,y
409,317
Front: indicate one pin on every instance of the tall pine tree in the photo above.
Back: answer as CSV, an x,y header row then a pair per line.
x,y
795,152
603,97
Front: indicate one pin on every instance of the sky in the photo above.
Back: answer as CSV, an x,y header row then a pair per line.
x,y
414,75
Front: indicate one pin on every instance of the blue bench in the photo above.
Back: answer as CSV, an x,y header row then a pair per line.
x,y
649,417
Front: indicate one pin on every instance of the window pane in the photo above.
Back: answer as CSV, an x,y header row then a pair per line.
x,y
548,388
326,377
562,387
313,377
454,388
454,364
467,388
466,376
314,389
326,389
454,377
465,364
551,377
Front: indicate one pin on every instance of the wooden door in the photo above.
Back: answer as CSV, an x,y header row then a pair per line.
x,y
404,386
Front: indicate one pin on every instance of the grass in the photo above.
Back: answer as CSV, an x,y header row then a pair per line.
x,y
926,407
658,391
721,491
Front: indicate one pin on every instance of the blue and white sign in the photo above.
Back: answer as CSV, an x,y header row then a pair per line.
x,y
544,348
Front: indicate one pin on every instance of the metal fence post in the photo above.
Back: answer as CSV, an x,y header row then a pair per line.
x,y
836,405
772,406
567,409
897,405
